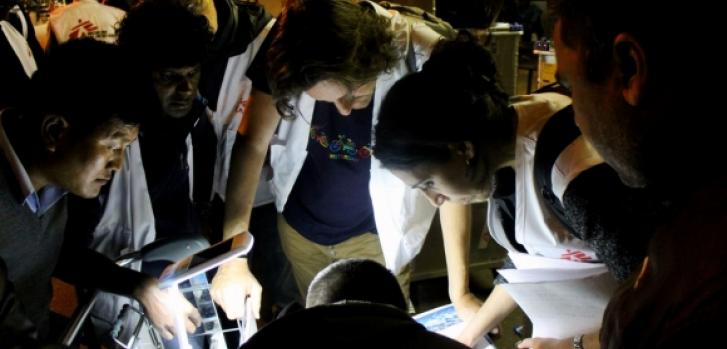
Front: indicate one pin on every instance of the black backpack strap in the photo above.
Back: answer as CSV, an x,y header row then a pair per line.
x,y
502,201
557,133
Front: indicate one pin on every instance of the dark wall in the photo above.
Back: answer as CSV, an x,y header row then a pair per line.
x,y
467,13
427,5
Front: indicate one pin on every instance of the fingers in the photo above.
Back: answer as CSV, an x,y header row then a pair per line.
x,y
216,291
527,343
195,318
190,325
231,287
233,302
192,321
227,291
161,307
167,332
256,299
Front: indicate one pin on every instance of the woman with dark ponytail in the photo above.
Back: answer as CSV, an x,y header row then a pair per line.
x,y
453,133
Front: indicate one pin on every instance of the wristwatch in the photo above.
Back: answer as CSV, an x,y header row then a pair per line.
x,y
578,342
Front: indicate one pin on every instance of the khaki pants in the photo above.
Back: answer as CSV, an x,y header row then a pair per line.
x,y
307,258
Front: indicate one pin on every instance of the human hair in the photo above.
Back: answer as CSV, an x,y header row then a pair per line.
x,y
454,99
162,34
88,83
319,40
355,280
593,25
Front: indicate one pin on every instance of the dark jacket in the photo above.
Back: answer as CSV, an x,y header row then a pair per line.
x,y
350,325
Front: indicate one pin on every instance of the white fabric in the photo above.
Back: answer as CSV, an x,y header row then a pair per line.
x,y
536,228
20,45
85,18
403,215
23,23
576,158
233,97
127,222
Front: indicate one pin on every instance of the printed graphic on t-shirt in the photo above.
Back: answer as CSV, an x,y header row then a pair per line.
x,y
340,147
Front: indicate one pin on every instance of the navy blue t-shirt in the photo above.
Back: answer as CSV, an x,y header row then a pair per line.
x,y
330,201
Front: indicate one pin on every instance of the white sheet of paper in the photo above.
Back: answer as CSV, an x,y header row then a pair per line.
x,y
548,275
526,261
564,308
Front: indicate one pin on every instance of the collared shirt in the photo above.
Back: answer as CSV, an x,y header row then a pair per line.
x,y
37,201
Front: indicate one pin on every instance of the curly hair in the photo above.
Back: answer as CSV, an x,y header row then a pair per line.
x,y
319,40
454,99
160,34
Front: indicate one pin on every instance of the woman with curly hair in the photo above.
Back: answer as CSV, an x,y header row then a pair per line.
x,y
328,65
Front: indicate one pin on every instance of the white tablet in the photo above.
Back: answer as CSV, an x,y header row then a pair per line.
x,y
205,260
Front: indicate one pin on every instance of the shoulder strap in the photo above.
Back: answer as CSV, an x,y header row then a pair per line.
x,y
21,20
20,47
557,133
502,204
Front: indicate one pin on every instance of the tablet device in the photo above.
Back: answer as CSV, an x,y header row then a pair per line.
x,y
206,260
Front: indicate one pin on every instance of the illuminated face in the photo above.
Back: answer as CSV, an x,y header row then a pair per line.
x,y
346,99
84,167
176,89
446,182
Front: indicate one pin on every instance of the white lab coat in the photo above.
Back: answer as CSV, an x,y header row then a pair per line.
x,y
403,215
127,222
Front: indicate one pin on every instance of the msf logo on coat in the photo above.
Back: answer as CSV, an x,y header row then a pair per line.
x,y
88,29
